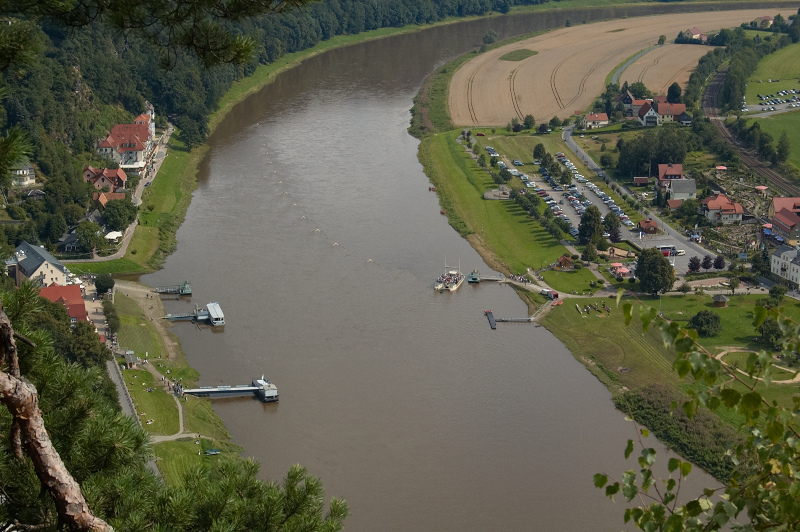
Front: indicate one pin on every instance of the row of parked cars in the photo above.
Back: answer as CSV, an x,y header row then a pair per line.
x,y
611,204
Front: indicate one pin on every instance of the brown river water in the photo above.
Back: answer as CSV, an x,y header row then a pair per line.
x,y
313,227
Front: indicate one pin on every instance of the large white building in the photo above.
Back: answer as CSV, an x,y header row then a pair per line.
x,y
786,264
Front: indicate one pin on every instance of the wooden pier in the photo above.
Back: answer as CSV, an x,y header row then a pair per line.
x,y
262,388
490,317
494,321
184,289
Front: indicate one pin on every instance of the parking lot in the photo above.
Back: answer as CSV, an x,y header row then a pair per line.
x,y
586,194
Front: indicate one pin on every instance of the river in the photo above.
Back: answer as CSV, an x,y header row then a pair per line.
x,y
314,228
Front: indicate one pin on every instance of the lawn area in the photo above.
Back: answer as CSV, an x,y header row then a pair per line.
x,y
605,345
517,240
156,405
111,266
566,281
790,122
619,356
176,458
783,65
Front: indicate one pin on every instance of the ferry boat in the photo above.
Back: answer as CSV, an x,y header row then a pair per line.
x,y
451,280
474,277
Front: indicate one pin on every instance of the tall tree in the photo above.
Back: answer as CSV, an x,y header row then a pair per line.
x,y
654,271
783,149
707,263
590,228
719,262
674,93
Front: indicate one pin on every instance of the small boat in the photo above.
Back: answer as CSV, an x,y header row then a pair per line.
x,y
474,277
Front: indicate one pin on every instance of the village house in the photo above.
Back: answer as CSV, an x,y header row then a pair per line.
x,y
669,112
71,297
104,197
682,189
25,176
113,178
786,225
593,120
763,22
674,204
696,34
778,204
641,181
667,173
719,208
685,119
785,264
37,264
648,226
647,115
131,145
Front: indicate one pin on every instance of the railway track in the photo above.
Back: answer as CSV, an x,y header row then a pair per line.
x,y
711,110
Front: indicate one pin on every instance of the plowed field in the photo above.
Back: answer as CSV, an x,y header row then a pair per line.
x,y
664,66
571,65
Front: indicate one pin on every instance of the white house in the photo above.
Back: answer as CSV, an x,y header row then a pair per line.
x,y
719,208
37,264
683,189
786,264
25,176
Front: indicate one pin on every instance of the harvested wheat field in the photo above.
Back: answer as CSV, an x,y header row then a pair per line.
x,y
569,70
660,68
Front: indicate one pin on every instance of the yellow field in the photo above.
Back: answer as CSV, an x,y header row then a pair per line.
x,y
664,66
570,67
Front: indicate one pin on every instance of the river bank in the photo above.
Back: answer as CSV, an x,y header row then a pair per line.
x,y
179,428
626,359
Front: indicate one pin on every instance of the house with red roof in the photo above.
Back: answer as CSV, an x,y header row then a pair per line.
x,y
648,116
669,112
719,208
778,204
592,120
670,171
104,197
71,297
127,144
113,178
786,224
648,226
763,22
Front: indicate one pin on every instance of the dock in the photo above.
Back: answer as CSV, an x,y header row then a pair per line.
x,y
494,321
184,289
490,317
212,314
261,388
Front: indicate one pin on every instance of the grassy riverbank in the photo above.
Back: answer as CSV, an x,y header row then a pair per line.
x,y
151,339
631,362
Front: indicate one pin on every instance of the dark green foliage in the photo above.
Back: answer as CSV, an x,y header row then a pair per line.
x,y
770,331
654,272
119,214
590,228
703,439
719,262
103,283
528,122
674,93
706,323
490,37
694,264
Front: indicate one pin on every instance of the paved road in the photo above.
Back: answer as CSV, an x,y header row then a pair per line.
x,y
669,237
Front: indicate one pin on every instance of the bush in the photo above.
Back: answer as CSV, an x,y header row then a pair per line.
x,y
578,265
632,280
706,323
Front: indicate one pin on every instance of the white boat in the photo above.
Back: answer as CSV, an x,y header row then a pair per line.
x,y
215,315
451,280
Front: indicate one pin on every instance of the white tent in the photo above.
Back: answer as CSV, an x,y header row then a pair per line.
x,y
113,235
